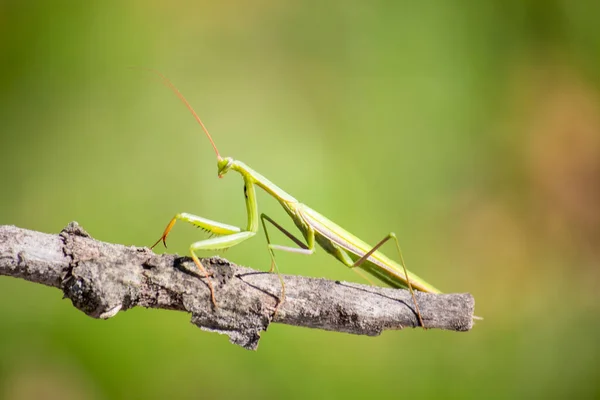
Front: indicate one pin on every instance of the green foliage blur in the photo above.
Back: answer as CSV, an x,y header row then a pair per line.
x,y
471,129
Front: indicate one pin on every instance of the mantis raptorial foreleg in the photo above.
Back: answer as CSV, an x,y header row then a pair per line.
x,y
232,236
208,225
364,258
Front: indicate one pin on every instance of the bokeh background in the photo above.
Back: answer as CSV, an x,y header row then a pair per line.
x,y
471,129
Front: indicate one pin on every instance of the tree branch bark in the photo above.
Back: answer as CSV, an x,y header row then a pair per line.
x,y
102,279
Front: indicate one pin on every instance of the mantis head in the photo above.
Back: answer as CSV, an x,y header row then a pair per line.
x,y
223,165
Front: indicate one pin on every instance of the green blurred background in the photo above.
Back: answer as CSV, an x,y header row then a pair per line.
x,y
471,129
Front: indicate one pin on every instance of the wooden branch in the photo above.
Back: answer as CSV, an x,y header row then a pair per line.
x,y
102,279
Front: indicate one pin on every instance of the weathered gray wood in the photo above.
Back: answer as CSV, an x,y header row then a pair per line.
x,y
102,279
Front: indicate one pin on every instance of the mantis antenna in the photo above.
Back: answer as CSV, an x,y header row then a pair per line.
x,y
187,104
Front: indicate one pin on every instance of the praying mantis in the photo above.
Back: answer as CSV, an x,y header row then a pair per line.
x,y
315,228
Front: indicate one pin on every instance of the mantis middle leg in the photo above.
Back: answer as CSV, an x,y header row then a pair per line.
x,y
302,248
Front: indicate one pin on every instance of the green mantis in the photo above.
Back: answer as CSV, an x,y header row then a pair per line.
x,y
315,228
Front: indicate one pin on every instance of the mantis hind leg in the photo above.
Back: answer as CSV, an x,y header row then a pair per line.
x,y
345,258
302,248
365,257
